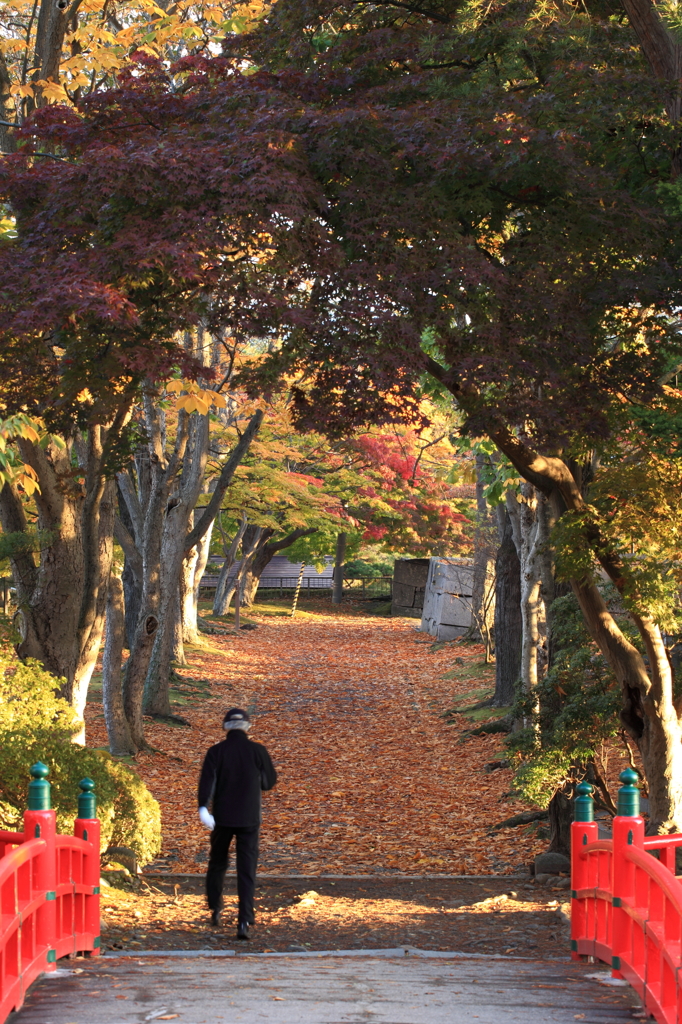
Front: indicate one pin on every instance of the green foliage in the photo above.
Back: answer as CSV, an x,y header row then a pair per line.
x,y
634,510
579,702
37,725
369,567
538,778
21,542
496,471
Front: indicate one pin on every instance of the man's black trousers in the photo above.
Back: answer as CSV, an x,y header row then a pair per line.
x,y
247,860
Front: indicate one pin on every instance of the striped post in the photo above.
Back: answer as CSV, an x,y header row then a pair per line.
x,y
298,590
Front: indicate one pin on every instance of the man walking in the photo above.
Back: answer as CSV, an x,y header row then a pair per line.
x,y
234,773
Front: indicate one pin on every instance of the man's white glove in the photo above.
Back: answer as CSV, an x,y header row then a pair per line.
x,y
206,818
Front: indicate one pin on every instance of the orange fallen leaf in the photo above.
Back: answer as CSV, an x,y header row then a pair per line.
x,y
362,830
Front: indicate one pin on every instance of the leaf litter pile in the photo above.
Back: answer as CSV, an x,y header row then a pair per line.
x,y
378,776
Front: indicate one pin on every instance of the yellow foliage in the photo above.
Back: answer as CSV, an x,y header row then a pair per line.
x,y
12,469
195,399
105,46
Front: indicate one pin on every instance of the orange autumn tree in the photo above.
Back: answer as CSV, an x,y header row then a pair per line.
x,y
295,492
60,51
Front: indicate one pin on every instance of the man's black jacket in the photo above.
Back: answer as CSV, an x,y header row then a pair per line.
x,y
233,775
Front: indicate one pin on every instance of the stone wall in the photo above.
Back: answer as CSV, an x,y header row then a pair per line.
x,y
409,583
447,598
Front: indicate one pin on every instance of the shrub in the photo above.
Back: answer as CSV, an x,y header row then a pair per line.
x,y
36,724
579,703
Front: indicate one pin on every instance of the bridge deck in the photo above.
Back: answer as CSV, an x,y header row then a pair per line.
x,y
325,990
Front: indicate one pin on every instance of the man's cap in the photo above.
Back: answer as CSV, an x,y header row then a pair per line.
x,y
236,715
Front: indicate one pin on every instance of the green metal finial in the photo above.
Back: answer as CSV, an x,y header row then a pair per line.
x,y
39,788
87,801
583,805
628,794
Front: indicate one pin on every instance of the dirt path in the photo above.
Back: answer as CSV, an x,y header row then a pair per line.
x,y
477,916
372,778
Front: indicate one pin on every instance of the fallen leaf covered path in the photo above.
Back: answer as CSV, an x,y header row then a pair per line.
x,y
371,776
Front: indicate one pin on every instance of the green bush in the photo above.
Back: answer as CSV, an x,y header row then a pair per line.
x,y
37,725
362,567
577,711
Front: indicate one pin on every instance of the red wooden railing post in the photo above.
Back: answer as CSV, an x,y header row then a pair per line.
x,y
87,827
628,830
583,831
40,823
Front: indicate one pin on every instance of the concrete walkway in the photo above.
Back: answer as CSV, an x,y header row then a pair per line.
x,y
325,990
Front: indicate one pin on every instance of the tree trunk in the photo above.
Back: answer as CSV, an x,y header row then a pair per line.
x,y
337,593
508,623
160,508
483,583
263,557
179,540
62,600
156,696
648,712
662,51
255,557
560,820
149,530
530,530
118,731
131,576
90,638
193,568
220,602
135,675
132,591
176,527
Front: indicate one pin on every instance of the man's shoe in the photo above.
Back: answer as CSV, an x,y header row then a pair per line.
x,y
215,918
243,931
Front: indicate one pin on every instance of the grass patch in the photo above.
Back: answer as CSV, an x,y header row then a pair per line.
x,y
475,707
468,670
185,691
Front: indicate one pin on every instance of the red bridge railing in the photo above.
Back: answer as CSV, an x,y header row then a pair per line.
x,y
626,903
49,891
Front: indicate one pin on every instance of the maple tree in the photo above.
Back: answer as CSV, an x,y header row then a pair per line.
x,y
158,490
298,491
91,303
386,253
543,302
403,499
61,52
